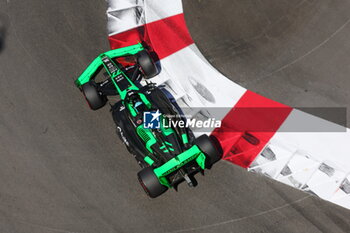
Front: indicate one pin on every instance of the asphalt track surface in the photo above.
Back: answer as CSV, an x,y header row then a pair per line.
x,y
62,168
296,52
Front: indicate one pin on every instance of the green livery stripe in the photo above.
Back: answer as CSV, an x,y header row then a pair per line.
x,y
184,138
147,136
149,160
167,147
168,143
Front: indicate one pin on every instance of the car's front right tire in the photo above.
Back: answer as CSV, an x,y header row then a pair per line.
x,y
147,64
150,182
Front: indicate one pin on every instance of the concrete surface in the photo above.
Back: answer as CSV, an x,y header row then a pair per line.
x,y
62,168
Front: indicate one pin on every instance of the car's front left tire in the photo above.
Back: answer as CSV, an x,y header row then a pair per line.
x,y
94,99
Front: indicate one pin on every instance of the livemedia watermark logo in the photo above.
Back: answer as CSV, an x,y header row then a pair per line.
x,y
252,119
154,120
151,120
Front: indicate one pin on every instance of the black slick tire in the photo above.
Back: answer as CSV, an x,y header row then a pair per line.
x,y
94,99
207,147
150,183
147,64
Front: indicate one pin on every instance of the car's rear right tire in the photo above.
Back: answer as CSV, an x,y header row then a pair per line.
x,y
94,99
207,147
150,183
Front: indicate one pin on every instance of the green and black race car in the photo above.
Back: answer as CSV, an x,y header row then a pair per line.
x,y
168,155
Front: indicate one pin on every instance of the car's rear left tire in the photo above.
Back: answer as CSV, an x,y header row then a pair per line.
x,y
147,64
207,147
150,183
94,99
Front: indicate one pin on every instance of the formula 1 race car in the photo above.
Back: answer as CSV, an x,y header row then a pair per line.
x,y
168,155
